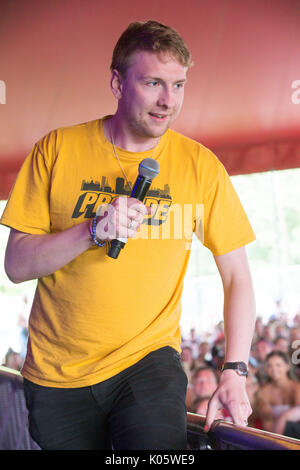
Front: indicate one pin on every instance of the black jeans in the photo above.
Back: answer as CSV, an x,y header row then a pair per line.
x,y
143,407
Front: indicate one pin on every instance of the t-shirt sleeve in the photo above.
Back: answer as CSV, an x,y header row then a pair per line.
x,y
27,208
225,225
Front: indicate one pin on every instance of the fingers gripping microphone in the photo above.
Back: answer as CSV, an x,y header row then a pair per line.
x,y
148,169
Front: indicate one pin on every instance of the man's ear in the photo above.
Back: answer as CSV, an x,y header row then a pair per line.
x,y
116,83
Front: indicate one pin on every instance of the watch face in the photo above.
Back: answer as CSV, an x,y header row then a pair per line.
x,y
242,368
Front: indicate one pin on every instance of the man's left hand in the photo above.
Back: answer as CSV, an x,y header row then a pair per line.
x,y
230,395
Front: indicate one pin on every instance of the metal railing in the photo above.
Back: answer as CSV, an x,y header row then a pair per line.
x,y
14,434
227,436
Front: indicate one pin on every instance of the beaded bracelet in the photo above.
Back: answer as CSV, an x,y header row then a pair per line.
x,y
93,224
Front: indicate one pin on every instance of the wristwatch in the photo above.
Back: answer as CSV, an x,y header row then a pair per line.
x,y
240,367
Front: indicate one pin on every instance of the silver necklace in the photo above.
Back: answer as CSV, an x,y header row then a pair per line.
x,y
118,160
113,145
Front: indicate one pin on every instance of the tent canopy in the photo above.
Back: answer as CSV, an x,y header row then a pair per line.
x,y
242,98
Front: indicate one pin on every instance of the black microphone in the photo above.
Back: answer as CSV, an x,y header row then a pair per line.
x,y
148,169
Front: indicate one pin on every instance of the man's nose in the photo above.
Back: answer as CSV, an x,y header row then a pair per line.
x,y
166,98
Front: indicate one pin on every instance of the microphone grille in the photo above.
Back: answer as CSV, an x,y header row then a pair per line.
x,y
149,168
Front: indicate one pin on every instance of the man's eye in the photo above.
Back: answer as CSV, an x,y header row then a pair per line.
x,y
153,83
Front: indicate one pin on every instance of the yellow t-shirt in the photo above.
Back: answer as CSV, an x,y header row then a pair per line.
x,y
98,315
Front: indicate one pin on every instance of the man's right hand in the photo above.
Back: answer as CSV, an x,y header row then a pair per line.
x,y
121,219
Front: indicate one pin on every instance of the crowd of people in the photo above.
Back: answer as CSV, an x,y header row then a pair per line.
x,y
273,382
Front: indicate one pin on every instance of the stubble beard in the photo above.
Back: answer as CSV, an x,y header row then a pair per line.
x,y
143,129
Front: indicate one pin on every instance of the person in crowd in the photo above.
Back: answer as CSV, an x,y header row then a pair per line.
x,y
252,387
13,360
281,343
279,394
261,349
204,383
187,361
294,333
296,320
281,330
194,342
258,329
268,332
288,423
204,357
218,351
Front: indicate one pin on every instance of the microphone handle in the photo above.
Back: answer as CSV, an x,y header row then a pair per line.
x,y
140,188
139,192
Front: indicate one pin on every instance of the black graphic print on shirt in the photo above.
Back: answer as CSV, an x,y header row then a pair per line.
x,y
94,193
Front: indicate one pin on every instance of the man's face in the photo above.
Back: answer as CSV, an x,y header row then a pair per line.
x,y
151,94
282,344
205,383
262,349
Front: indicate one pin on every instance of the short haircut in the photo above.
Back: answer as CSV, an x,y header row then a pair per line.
x,y
148,36
204,368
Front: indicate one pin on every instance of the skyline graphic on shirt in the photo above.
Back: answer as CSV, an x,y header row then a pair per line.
x,y
121,187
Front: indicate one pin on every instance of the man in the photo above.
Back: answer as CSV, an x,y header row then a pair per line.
x,y
201,386
205,382
261,349
103,366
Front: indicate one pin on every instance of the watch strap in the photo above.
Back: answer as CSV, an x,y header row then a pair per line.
x,y
240,367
